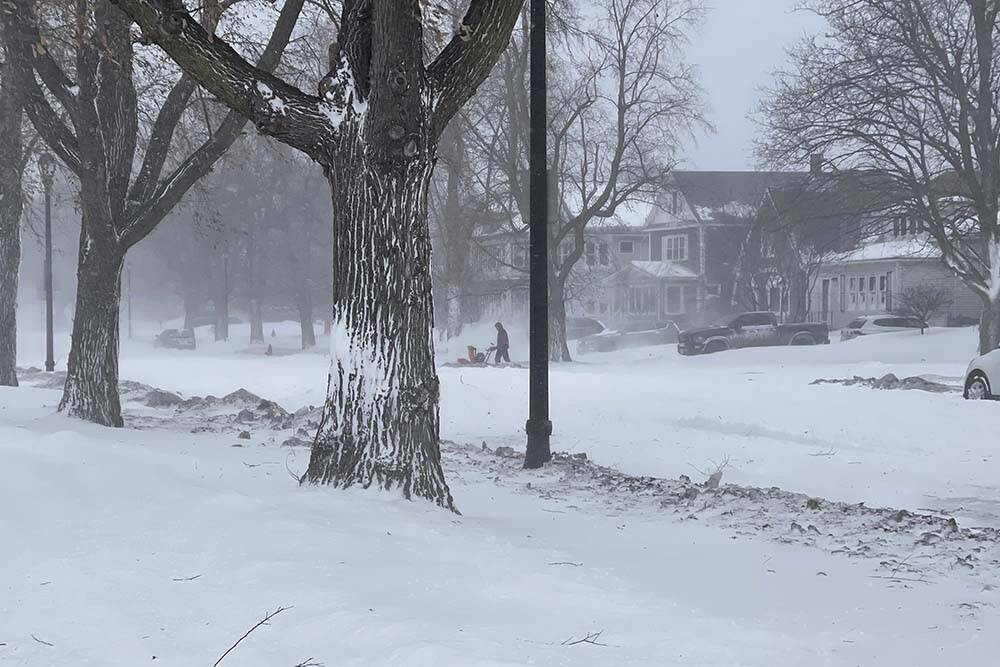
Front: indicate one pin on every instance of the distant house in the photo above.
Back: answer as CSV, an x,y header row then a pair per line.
x,y
869,278
831,246
498,285
693,235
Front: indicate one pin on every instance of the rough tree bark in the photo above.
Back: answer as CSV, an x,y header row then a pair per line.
x,y
11,166
374,129
91,390
558,345
99,145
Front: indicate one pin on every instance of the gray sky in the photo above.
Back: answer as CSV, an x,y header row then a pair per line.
x,y
739,46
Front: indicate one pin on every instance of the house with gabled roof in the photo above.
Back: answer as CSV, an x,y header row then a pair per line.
x,y
694,233
832,246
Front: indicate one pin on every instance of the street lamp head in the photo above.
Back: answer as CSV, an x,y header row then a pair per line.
x,y
47,168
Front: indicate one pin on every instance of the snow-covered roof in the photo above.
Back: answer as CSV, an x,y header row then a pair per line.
x,y
663,269
912,248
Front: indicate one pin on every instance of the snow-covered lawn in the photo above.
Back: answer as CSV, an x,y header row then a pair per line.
x,y
650,411
122,545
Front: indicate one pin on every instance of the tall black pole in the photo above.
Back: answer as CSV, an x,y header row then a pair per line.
x,y
539,428
50,363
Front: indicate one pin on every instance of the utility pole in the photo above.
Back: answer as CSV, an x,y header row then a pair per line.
x,y
538,428
47,169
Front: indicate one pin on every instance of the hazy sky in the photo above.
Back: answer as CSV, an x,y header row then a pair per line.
x,y
739,46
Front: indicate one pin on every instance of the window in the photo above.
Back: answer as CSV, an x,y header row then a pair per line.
x,y
755,320
489,257
675,300
640,300
590,254
674,203
905,226
602,253
774,299
675,248
856,324
519,256
626,247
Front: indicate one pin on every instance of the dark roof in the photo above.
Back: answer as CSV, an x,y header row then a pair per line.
x,y
833,210
716,189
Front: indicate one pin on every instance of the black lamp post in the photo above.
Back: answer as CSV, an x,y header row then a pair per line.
x,y
539,428
47,169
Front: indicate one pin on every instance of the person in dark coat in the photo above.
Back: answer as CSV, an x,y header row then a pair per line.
x,y
503,345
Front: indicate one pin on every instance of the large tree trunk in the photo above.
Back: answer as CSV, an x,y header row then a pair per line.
x,y
380,421
989,326
10,225
91,390
10,262
558,345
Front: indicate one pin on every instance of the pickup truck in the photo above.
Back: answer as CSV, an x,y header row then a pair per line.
x,y
759,329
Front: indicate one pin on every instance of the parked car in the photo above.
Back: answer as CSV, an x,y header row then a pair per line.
x,y
637,334
758,329
578,327
982,374
876,324
175,339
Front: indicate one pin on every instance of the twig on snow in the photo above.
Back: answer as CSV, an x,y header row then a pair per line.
x,y
891,578
42,641
197,576
591,638
263,621
715,477
298,478
829,452
308,662
567,563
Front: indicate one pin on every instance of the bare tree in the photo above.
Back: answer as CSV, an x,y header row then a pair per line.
x,y
374,128
910,88
924,302
92,77
12,164
621,99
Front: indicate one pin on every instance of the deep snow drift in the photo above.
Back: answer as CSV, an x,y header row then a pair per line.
x,y
170,541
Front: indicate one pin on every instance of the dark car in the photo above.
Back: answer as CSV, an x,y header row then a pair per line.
x,y
175,339
756,329
637,334
579,327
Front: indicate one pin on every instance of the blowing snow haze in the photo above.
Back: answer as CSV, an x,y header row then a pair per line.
x,y
268,347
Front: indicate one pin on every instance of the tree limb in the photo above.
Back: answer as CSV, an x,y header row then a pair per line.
x,y
469,57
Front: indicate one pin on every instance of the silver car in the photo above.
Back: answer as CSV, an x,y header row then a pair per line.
x,y
876,324
982,373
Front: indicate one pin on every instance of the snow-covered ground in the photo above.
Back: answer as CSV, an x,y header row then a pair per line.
x,y
122,545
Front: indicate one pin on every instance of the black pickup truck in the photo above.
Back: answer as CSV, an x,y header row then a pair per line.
x,y
750,330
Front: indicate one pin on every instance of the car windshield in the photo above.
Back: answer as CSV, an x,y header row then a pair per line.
x,y
856,324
